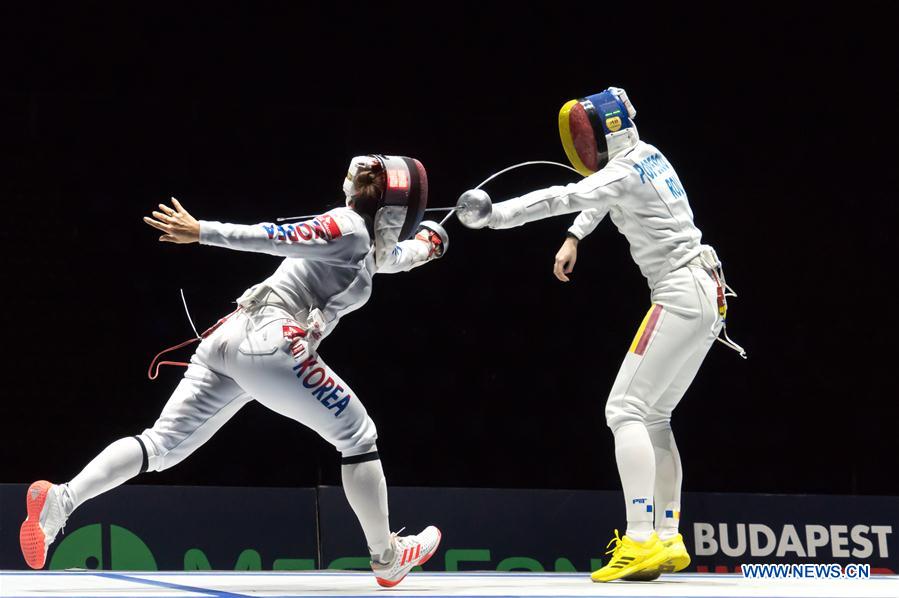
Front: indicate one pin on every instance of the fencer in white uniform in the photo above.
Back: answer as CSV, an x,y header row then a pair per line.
x,y
636,186
267,350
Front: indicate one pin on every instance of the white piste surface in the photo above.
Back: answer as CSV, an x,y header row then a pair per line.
x,y
90,584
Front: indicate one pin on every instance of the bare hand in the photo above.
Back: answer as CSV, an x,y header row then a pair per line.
x,y
177,224
565,259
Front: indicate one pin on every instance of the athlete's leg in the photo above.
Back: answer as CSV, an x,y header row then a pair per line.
x,y
678,321
676,324
366,491
201,404
669,473
328,405
306,390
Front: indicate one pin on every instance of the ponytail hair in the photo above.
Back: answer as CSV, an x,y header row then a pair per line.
x,y
368,185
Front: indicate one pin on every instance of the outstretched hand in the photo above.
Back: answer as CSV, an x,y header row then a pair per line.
x,y
177,224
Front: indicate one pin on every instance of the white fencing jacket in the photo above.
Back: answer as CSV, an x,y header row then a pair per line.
x,y
330,261
642,194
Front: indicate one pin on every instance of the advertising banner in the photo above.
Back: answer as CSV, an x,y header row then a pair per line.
x,y
726,530
164,528
197,528
564,530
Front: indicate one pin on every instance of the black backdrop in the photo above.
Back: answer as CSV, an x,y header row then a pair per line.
x,y
480,369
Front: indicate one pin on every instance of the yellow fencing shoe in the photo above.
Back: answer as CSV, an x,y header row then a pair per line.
x,y
678,560
629,557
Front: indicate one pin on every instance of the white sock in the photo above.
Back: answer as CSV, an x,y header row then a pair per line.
x,y
669,476
366,491
118,463
636,467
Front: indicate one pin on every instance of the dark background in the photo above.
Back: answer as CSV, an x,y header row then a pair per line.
x,y
480,369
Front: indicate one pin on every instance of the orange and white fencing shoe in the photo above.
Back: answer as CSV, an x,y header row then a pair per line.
x,y
408,552
46,517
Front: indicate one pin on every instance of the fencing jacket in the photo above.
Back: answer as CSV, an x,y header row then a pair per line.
x,y
330,261
643,196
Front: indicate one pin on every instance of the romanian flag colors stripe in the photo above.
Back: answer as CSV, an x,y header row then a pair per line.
x,y
647,328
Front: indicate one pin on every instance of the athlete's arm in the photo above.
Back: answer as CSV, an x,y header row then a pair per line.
x,y
405,256
586,222
583,225
312,239
429,243
598,192
321,238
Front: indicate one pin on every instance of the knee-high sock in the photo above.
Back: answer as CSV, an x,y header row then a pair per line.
x,y
366,491
668,481
636,467
118,463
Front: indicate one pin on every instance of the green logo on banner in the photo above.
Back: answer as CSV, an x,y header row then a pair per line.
x,y
83,549
89,546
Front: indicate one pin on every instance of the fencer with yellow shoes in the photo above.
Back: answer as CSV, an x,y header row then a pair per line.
x,y
633,184
630,557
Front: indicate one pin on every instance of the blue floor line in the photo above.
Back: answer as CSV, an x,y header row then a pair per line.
x,y
411,594
143,579
171,586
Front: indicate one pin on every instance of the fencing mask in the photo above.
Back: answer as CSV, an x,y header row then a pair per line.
x,y
400,208
596,128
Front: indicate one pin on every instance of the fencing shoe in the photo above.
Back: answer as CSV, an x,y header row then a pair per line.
x,y
629,557
46,517
678,560
408,551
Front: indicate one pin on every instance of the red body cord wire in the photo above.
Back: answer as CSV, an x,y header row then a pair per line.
x,y
152,372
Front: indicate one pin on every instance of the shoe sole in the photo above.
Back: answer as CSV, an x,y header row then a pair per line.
x,y
678,561
31,536
386,583
645,574
650,563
